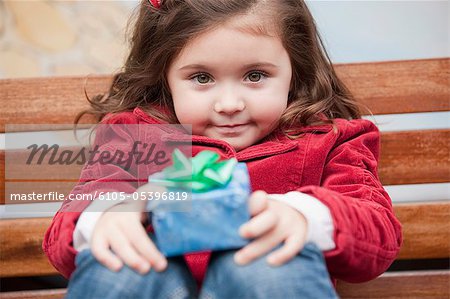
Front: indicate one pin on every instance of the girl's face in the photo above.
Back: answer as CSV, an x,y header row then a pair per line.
x,y
231,84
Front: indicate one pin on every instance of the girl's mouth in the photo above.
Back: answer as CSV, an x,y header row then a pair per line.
x,y
233,129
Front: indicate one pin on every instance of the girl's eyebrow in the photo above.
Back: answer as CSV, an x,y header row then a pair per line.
x,y
245,66
193,66
260,64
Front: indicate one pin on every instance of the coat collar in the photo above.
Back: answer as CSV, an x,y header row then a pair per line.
x,y
260,150
264,149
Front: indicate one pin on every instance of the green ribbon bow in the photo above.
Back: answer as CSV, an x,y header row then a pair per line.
x,y
200,173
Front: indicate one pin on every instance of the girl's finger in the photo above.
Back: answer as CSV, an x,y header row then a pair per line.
x,y
257,248
258,225
257,202
147,249
100,250
127,253
292,246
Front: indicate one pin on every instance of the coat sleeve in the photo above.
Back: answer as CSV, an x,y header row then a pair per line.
x,y
366,232
94,178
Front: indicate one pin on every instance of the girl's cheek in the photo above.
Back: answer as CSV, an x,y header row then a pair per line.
x,y
190,114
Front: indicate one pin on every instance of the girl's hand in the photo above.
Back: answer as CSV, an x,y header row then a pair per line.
x,y
119,237
272,223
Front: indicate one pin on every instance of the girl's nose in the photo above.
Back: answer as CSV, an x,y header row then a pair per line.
x,y
229,103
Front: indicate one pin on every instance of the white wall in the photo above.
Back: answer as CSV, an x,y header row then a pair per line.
x,y
356,31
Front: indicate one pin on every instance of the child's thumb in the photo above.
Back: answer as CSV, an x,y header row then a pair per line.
x,y
257,202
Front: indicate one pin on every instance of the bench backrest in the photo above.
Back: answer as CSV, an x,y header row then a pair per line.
x,y
407,157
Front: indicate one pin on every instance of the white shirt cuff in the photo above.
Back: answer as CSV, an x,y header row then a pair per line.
x,y
88,219
318,216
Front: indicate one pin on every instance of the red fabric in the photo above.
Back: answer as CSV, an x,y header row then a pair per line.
x,y
338,167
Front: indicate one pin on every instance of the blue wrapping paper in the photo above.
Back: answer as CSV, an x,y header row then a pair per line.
x,y
211,219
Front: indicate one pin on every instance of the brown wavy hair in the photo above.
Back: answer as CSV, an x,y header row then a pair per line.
x,y
317,94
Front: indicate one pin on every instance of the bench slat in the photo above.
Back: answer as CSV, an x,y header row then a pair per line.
x,y
21,247
400,86
41,179
385,87
425,229
35,294
55,100
400,285
426,232
415,157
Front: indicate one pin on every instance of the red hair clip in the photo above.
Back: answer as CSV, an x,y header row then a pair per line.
x,y
156,3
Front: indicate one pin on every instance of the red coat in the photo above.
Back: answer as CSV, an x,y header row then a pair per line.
x,y
338,167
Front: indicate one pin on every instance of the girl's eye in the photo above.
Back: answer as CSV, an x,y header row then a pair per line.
x,y
255,76
202,78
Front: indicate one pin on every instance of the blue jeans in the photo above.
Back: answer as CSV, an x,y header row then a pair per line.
x,y
305,276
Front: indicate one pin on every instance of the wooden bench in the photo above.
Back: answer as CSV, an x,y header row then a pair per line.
x,y
408,157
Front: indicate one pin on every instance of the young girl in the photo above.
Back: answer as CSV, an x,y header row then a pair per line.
x,y
255,83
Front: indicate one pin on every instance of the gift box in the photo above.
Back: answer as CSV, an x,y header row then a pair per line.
x,y
216,208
